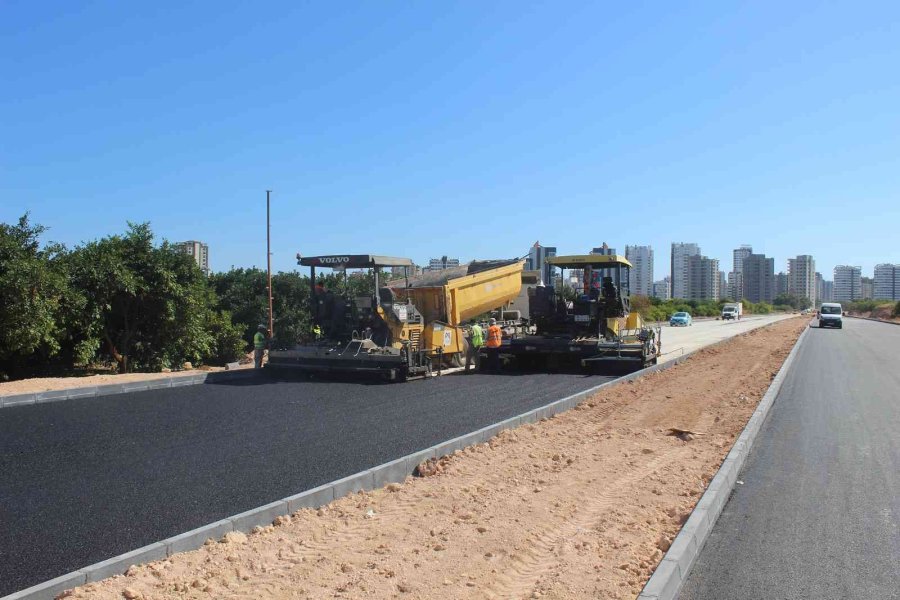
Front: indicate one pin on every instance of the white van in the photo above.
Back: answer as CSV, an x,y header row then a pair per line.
x,y
830,315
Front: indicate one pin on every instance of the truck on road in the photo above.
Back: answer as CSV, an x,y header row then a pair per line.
x,y
732,310
397,329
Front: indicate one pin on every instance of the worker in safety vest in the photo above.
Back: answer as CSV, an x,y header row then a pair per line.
x,y
494,337
260,342
473,349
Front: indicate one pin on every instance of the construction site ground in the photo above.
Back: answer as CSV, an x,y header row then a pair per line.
x,y
582,505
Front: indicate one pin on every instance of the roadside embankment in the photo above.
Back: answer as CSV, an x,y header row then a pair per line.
x,y
580,505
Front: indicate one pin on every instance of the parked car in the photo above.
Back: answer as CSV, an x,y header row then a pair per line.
x,y
830,315
681,319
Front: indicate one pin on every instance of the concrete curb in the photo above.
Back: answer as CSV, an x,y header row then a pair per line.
x,y
395,471
874,320
673,569
111,389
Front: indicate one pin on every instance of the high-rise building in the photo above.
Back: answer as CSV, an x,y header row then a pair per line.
x,y
679,267
605,250
723,285
781,283
867,288
735,289
887,282
827,291
661,289
640,279
739,255
820,286
702,281
802,277
759,278
535,262
847,283
439,264
198,251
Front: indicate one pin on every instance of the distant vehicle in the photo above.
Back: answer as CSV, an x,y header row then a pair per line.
x,y
681,319
830,315
732,310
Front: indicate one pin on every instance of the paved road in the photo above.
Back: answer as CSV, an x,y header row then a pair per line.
x,y
677,341
84,480
818,515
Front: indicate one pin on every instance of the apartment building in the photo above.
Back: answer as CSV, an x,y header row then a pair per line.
x,y
887,282
641,275
802,277
198,251
679,267
847,283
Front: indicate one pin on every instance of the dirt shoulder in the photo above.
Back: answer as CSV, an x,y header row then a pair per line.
x,y
45,384
581,505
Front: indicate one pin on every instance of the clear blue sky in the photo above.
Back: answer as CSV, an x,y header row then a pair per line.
x,y
468,129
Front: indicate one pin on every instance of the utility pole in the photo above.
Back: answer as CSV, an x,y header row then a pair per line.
x,y
269,257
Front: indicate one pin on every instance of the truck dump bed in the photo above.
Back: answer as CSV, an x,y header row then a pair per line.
x,y
454,295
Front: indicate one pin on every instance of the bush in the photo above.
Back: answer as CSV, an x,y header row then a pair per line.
x,y
896,312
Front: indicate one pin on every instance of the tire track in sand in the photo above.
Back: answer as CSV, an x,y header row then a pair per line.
x,y
528,565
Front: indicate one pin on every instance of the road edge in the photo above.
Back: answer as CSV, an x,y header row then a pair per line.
x,y
873,320
395,471
112,389
673,569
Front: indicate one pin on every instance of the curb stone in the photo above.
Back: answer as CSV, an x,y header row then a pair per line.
x,y
673,570
381,475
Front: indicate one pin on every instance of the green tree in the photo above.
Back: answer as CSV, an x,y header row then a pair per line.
x,y
147,307
795,302
34,294
242,292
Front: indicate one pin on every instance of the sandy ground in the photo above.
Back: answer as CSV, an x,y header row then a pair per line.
x,y
44,384
581,505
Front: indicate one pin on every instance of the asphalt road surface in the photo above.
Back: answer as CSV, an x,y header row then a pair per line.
x,y
818,515
677,341
84,480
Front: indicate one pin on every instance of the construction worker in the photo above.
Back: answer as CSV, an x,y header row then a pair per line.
x,y
494,338
260,341
473,348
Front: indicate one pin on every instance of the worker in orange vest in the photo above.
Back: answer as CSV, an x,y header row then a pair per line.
x,y
494,337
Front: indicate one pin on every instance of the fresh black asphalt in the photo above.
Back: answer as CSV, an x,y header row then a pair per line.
x,y
818,515
84,480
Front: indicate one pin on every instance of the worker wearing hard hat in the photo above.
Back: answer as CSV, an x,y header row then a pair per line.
x,y
260,341
494,338
473,349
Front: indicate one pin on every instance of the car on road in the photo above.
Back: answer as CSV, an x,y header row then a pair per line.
x,y
681,319
830,315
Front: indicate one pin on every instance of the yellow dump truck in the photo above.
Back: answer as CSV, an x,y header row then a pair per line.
x,y
398,329
448,298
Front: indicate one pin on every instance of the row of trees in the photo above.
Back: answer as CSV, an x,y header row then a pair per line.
x,y
654,309
141,306
120,299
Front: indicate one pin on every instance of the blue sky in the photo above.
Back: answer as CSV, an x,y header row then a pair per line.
x,y
469,129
